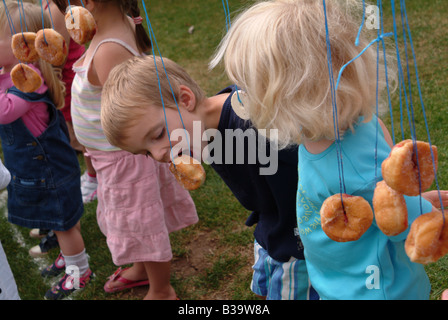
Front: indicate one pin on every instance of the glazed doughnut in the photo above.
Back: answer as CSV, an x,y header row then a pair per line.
x,y
389,206
51,46
80,24
188,172
428,238
25,78
346,223
400,169
23,48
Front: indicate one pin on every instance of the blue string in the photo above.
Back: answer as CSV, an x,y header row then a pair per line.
x,y
386,74
20,17
8,16
362,22
43,23
153,39
404,14
380,38
376,97
49,11
411,105
228,25
71,12
334,105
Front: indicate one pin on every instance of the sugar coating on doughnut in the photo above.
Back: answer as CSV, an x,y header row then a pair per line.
x,y
400,170
51,46
25,78
22,45
427,240
188,172
390,210
80,24
348,222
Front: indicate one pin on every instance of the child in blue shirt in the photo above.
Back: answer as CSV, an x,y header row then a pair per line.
x,y
287,87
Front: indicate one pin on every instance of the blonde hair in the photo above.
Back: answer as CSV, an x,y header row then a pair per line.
x,y
33,16
276,52
133,85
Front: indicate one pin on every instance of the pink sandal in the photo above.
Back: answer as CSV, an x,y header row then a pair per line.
x,y
127,284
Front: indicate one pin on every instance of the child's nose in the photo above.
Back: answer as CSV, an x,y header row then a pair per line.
x,y
160,155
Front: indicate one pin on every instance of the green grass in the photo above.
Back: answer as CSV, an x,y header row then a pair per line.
x,y
212,260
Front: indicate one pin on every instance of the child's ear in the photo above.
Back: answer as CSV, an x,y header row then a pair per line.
x,y
187,98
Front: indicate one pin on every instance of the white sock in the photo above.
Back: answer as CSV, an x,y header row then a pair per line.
x,y
79,260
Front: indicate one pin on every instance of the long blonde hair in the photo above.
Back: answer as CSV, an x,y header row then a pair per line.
x,y
276,51
33,17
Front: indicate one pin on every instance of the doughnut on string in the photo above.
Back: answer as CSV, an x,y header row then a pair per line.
x,y
174,169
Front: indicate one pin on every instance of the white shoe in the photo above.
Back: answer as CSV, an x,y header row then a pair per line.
x,y
88,188
38,233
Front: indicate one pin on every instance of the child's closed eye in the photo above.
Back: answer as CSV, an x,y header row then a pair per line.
x,y
160,136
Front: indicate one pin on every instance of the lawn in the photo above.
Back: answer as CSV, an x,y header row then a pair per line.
x,y
213,258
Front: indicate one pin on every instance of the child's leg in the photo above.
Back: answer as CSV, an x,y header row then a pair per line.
x,y
89,182
77,269
71,241
73,249
159,281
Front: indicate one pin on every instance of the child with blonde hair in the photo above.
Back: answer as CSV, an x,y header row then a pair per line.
x,y
133,118
45,188
139,200
276,51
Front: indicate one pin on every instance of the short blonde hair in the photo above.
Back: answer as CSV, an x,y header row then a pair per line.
x,y
33,17
276,51
134,85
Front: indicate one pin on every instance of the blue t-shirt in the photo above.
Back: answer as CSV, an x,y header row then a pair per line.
x,y
375,266
271,198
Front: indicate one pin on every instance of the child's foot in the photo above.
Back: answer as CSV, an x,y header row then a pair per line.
x,y
56,268
125,279
38,233
45,245
67,285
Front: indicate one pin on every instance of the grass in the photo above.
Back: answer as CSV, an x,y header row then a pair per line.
x,y
213,258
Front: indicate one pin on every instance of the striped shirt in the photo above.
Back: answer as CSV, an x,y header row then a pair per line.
x,y
86,104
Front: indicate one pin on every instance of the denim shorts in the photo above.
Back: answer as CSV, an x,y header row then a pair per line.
x,y
280,280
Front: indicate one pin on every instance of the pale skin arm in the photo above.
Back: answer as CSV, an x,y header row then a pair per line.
x,y
106,58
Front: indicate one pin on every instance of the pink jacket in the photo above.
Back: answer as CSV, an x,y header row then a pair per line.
x,y
34,114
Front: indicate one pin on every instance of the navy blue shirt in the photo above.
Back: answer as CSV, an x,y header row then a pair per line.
x,y
271,198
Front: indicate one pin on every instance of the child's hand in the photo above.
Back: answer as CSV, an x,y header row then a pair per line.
x,y
433,197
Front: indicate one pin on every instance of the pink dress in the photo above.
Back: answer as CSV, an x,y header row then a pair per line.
x,y
34,115
139,204
139,200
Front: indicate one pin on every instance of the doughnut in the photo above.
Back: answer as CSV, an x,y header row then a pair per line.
x,y
80,24
25,78
188,172
346,223
51,46
23,48
237,102
389,207
400,169
427,240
